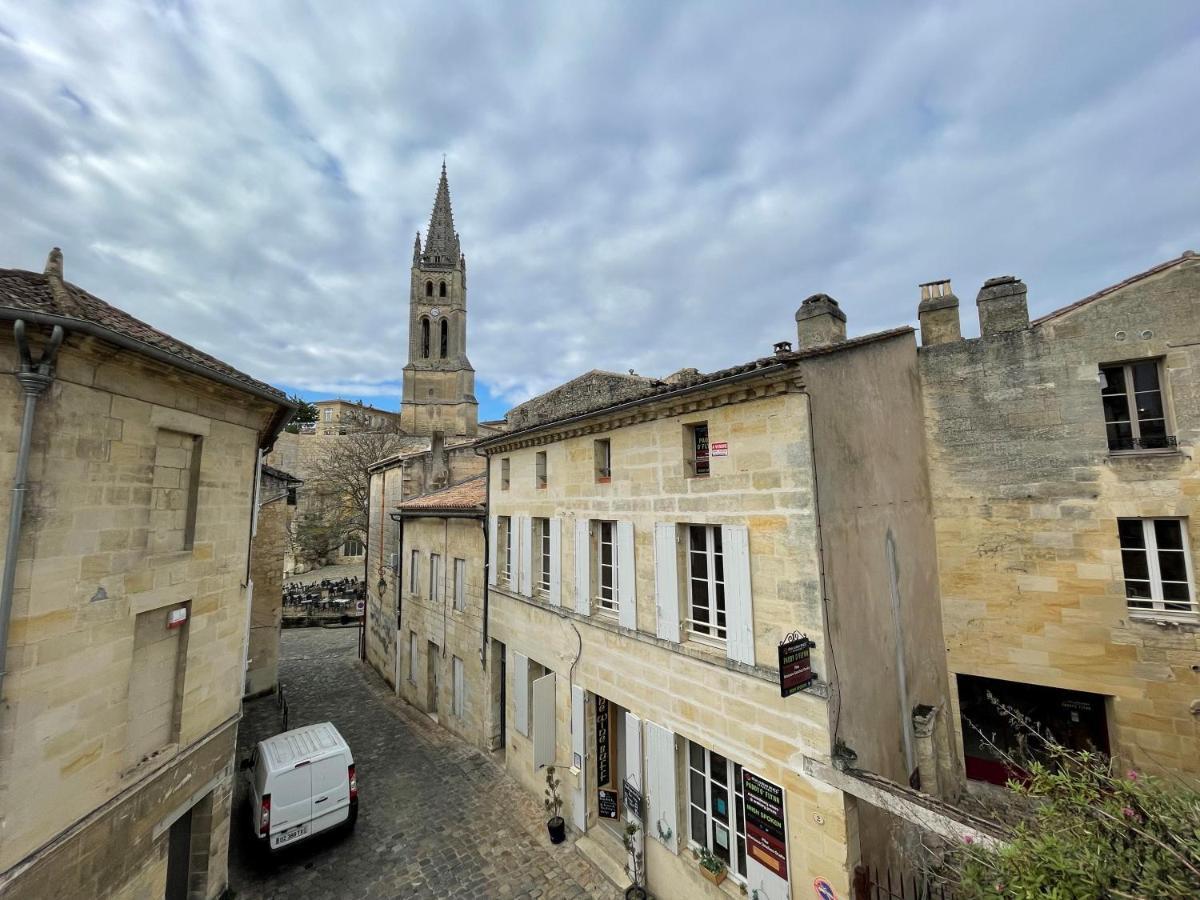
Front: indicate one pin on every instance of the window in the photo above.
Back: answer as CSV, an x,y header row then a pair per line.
x,y
504,525
412,657
714,784
425,339
706,582
459,699
603,454
539,468
435,576
607,566
327,415
175,491
429,289
696,449
445,340
156,680
541,528
1134,414
442,289
413,577
1157,566
352,547
460,584
505,468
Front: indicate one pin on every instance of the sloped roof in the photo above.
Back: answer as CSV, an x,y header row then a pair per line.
x,y
47,294
1112,289
469,495
280,474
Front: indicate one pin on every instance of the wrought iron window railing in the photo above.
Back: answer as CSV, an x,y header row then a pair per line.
x,y
1155,442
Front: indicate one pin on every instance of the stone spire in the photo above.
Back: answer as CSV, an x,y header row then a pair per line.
x,y
441,241
417,250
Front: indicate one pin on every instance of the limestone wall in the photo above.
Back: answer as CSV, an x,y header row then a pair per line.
x,y
1027,497
266,570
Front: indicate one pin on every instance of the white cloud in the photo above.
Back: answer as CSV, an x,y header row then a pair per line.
x,y
639,186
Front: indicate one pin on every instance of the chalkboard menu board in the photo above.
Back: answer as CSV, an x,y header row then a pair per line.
x,y
765,835
633,800
608,805
603,772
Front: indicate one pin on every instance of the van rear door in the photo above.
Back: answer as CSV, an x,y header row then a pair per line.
x,y
291,804
330,791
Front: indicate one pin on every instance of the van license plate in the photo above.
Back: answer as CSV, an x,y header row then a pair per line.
x,y
290,835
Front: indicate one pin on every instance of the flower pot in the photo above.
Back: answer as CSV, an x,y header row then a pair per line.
x,y
635,892
714,877
558,830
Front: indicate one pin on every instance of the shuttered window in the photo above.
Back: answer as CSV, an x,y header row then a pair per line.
x,y
460,584
716,807
541,530
521,692
706,583
543,721
459,686
606,566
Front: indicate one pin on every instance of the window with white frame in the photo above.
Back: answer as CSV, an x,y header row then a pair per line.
x,y
504,526
459,687
414,582
606,566
541,531
460,584
327,415
1134,412
716,807
412,657
435,576
1157,566
706,583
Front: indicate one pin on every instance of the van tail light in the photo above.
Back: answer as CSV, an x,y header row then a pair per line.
x,y
264,817
353,783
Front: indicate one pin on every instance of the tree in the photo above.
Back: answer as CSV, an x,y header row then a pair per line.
x,y
339,491
306,413
1094,832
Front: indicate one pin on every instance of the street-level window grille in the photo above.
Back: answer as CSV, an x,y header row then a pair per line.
x,y
716,807
460,584
1157,566
609,598
706,583
414,577
542,532
504,524
1134,413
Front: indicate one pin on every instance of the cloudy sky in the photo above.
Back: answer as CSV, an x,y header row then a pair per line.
x,y
637,185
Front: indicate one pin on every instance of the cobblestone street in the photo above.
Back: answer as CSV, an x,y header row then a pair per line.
x,y
437,818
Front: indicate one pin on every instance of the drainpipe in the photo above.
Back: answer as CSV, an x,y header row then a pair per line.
x,y
487,557
34,378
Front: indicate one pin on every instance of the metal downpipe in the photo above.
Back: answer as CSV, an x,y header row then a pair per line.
x,y
34,378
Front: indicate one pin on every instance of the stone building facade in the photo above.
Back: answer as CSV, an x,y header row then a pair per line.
x,y
646,559
126,623
344,417
276,503
1062,458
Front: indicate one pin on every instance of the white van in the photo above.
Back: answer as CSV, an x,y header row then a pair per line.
x,y
302,783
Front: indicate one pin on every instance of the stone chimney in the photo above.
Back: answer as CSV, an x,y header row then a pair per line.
x,y
819,322
938,313
1002,306
439,461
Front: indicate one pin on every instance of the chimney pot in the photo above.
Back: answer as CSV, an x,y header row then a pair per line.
x,y
938,313
819,322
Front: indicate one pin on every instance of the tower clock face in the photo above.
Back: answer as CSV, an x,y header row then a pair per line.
x,y
435,312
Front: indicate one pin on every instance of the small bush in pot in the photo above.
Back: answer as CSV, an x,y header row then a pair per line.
x,y
636,867
553,804
712,867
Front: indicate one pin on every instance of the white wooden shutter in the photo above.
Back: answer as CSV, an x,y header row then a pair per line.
x,y
521,689
633,774
578,730
666,581
493,540
739,608
660,785
526,556
460,700
555,561
626,577
583,567
543,721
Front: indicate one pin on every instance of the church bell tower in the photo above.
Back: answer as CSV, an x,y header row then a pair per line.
x,y
439,383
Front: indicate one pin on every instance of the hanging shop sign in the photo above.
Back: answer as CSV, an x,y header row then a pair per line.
x,y
795,667
718,448
608,804
603,772
633,800
766,829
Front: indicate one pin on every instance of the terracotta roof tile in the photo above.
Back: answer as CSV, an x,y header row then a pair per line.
x,y
33,292
466,495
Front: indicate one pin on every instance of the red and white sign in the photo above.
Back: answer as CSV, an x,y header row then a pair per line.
x,y
176,617
718,448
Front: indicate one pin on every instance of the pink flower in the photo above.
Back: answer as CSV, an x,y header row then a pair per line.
x,y
968,839
1129,813
1131,775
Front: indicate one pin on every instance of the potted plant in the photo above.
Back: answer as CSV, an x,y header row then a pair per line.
x,y
712,867
553,803
636,868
